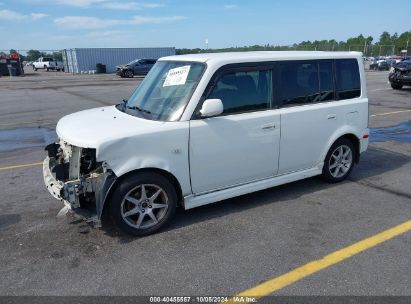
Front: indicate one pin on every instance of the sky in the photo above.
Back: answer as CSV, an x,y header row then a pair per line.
x,y
59,24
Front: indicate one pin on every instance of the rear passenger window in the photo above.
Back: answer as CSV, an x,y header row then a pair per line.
x,y
299,83
348,78
326,81
244,91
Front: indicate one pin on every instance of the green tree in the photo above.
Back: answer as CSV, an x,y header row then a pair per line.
x,y
58,56
33,55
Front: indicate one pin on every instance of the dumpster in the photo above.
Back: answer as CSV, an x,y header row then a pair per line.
x,y
100,68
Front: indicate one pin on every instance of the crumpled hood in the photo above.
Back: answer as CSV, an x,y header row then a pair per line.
x,y
94,127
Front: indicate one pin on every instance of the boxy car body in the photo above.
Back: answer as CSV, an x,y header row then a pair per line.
x,y
210,127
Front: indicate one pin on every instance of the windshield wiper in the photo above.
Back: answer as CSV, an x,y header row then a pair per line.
x,y
138,109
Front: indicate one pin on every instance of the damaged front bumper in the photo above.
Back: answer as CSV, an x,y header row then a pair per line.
x,y
84,195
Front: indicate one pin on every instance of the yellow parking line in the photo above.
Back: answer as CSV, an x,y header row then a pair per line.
x,y
310,268
20,166
390,113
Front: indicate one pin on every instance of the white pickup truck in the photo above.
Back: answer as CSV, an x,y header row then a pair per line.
x,y
47,63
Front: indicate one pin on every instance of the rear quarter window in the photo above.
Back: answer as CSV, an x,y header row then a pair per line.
x,y
347,78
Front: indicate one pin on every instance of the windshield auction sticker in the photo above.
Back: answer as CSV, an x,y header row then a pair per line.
x,y
177,76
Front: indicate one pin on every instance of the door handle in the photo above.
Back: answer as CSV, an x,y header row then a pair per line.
x,y
332,116
268,126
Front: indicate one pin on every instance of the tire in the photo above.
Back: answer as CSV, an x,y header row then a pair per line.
x,y
337,166
396,86
160,201
35,69
129,74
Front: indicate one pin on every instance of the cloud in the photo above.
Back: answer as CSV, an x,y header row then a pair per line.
x,y
11,15
116,5
142,19
130,5
15,16
36,16
82,22
230,7
80,3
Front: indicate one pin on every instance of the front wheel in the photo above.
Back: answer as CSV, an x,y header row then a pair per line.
x,y
143,203
129,74
396,86
339,161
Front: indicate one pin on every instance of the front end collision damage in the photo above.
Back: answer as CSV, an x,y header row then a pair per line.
x,y
73,175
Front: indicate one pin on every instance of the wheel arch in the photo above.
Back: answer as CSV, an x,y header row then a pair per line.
x,y
168,175
355,141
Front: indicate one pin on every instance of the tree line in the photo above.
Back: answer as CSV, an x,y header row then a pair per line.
x,y
33,55
386,45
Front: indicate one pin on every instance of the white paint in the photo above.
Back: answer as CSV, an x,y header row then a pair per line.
x,y
229,155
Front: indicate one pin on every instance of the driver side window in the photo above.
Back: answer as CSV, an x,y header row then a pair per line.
x,y
244,91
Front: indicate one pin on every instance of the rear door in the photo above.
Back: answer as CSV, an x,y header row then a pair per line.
x,y
313,108
242,144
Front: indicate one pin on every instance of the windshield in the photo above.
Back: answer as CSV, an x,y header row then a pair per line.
x,y
133,61
165,91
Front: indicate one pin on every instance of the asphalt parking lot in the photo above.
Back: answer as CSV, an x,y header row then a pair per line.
x,y
219,249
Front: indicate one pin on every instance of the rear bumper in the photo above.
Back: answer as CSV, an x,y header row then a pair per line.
x,y
364,141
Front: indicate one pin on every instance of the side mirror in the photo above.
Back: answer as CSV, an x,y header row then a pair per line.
x,y
212,107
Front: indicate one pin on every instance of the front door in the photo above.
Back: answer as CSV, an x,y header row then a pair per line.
x,y
242,144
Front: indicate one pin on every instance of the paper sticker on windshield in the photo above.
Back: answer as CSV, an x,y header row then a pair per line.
x,y
177,76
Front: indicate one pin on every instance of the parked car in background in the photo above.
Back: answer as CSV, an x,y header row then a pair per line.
x,y
379,65
207,127
47,63
391,61
135,67
400,75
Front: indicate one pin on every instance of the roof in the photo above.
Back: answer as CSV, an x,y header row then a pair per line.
x,y
238,57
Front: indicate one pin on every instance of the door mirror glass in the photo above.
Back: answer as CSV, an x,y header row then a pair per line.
x,y
211,107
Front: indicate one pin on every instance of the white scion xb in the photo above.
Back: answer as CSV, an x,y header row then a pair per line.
x,y
206,127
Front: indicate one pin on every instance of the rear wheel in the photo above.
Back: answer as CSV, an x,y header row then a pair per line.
x,y
143,203
339,161
396,86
